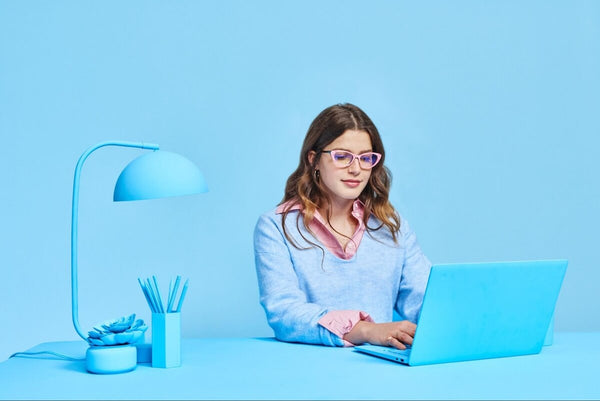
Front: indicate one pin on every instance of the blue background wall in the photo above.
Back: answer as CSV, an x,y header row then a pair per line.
x,y
488,110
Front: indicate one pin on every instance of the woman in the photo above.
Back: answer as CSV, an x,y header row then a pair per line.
x,y
334,259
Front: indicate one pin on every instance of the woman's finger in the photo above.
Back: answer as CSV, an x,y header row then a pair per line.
x,y
404,338
393,342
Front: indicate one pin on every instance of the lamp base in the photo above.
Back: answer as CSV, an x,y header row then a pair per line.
x,y
111,359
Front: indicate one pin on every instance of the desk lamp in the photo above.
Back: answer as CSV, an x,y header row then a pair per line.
x,y
153,175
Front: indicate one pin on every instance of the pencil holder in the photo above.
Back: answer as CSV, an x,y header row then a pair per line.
x,y
166,340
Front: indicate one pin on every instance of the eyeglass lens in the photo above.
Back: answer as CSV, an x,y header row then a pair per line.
x,y
343,158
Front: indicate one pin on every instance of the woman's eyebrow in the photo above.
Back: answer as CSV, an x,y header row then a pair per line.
x,y
348,150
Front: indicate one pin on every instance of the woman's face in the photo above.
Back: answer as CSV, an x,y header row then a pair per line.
x,y
344,184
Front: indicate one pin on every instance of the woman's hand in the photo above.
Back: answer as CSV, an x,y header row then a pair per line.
x,y
394,334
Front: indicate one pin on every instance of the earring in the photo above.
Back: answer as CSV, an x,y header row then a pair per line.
x,y
317,175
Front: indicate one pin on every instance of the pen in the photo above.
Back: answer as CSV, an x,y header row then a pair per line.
x,y
185,287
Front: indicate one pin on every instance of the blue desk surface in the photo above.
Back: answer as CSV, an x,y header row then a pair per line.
x,y
263,368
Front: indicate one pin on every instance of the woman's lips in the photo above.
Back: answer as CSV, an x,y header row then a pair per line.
x,y
351,183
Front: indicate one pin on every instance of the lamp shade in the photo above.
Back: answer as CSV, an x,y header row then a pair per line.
x,y
158,175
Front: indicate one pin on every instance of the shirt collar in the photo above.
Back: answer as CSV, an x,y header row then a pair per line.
x,y
358,208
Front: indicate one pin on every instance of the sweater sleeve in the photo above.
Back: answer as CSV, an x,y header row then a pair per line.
x,y
341,322
415,273
288,311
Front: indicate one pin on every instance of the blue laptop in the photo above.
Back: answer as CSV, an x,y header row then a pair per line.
x,y
481,310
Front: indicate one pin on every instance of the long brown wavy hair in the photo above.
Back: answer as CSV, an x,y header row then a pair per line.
x,y
304,186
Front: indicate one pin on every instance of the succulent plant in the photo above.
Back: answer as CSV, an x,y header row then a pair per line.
x,y
125,330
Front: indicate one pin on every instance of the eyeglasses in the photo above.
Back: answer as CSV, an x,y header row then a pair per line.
x,y
343,158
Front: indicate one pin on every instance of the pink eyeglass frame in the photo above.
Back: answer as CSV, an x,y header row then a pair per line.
x,y
354,157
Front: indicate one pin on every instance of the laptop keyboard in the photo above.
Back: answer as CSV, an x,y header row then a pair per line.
x,y
395,351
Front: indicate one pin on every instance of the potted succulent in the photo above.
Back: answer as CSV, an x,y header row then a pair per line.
x,y
112,348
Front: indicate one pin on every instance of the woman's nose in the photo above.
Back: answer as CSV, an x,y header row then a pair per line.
x,y
354,167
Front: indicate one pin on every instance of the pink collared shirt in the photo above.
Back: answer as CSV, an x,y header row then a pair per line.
x,y
321,230
339,322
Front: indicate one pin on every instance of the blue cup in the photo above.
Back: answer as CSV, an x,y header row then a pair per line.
x,y
166,340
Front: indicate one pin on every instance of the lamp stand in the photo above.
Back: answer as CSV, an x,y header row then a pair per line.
x,y
153,175
99,359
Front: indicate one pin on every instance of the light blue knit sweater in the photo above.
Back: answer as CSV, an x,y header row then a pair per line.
x,y
296,290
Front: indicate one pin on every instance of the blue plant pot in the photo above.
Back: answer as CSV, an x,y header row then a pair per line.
x,y
111,359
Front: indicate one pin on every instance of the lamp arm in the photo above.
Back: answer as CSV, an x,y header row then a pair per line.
x,y
74,221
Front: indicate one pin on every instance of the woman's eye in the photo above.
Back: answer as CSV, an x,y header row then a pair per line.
x,y
370,159
342,157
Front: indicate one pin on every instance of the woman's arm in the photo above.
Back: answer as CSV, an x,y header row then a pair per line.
x,y
393,334
288,311
415,273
